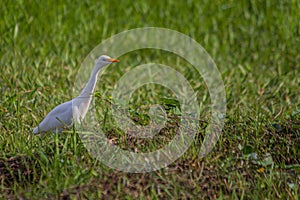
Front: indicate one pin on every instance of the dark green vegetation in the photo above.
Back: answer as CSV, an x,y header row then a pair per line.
x,y
256,46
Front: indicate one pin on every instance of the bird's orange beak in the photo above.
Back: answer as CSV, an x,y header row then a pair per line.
x,y
113,60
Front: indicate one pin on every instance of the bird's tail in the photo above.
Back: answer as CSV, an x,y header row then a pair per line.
x,y
35,130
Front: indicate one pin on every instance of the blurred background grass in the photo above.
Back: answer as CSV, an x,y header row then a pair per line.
x,y
255,45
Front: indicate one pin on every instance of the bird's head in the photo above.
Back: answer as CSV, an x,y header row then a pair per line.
x,y
105,60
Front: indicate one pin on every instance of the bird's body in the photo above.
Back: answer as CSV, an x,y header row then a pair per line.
x,y
64,114
57,119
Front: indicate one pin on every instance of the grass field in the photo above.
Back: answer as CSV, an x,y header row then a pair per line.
x,y
256,46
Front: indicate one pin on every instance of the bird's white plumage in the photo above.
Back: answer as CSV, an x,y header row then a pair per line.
x,y
64,114
59,117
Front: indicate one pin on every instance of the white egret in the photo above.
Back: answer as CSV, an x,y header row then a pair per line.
x,y
62,115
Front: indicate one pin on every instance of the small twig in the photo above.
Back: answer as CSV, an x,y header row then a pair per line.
x,y
276,191
279,113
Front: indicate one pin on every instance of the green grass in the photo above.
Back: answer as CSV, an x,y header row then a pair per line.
x,y
255,45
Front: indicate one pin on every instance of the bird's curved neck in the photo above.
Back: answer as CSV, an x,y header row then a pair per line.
x,y
90,86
